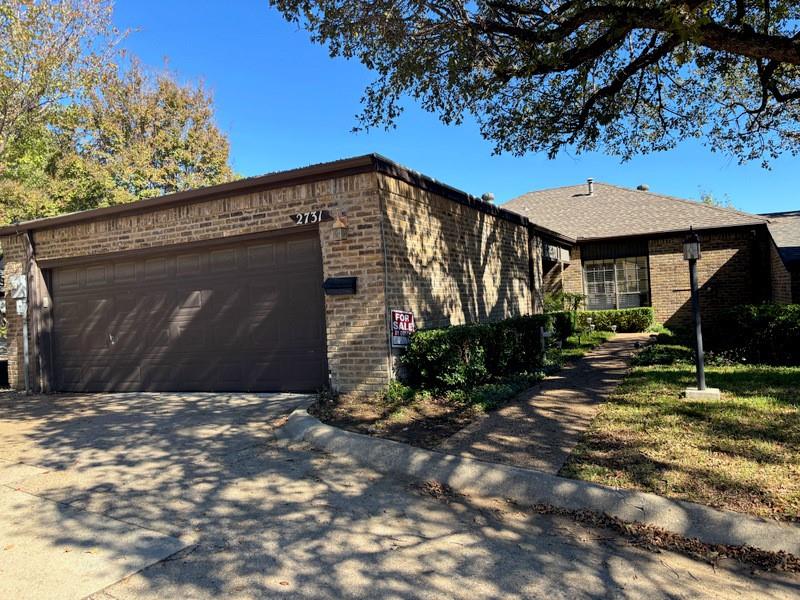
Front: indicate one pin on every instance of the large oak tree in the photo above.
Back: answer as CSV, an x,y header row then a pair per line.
x,y
630,76
83,125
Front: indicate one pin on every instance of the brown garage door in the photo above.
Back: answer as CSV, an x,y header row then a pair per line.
x,y
240,317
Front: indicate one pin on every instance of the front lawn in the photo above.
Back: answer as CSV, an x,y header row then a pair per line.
x,y
739,453
577,346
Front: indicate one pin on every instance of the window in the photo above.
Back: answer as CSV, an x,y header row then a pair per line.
x,y
617,283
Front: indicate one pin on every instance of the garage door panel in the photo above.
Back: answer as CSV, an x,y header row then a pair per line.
x,y
156,269
188,337
221,261
261,255
66,279
300,251
97,275
125,272
249,317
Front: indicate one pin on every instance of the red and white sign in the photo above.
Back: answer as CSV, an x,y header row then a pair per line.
x,y
402,327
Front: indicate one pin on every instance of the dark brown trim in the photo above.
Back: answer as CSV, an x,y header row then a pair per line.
x,y
669,233
39,318
169,248
553,236
392,169
319,172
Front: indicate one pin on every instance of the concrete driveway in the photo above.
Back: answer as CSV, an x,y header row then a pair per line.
x,y
191,496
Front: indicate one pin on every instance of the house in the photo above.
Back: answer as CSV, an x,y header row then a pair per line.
x,y
628,250
288,281
785,230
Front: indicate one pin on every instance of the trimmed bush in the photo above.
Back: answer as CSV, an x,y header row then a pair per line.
x,y
627,320
565,323
764,333
464,356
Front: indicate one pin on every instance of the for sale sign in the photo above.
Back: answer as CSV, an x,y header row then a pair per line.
x,y
402,328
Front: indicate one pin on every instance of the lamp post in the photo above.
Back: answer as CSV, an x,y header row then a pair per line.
x,y
691,253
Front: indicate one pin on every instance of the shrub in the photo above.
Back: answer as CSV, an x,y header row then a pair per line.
x,y
565,323
397,394
765,333
562,301
663,354
627,320
464,356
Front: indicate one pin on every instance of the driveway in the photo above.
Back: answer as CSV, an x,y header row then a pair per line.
x,y
191,496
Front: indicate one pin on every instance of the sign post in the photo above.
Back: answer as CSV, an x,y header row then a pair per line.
x,y
402,327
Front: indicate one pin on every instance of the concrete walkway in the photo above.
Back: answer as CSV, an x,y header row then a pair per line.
x,y
540,429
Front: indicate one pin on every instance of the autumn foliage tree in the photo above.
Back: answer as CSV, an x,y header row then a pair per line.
x,y
628,76
82,125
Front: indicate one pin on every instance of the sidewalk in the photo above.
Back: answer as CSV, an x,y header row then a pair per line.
x,y
538,431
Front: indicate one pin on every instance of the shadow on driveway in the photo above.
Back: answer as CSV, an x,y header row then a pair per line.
x,y
266,519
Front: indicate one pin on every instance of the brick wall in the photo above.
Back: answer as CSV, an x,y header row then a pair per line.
x,y
551,278
728,273
13,253
780,276
795,274
727,276
356,326
573,272
449,263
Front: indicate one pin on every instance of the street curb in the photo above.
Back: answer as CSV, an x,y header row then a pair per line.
x,y
526,486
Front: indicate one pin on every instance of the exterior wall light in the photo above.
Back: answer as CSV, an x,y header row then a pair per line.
x,y
691,246
339,227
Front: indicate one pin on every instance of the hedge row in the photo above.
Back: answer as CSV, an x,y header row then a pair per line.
x,y
765,333
463,356
627,320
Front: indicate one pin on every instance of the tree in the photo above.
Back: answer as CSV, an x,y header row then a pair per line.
x,y
81,126
147,135
50,51
135,135
709,199
631,76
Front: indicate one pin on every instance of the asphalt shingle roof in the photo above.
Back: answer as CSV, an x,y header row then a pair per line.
x,y
785,230
613,211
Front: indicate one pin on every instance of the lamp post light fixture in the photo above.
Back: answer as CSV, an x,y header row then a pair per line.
x,y
691,253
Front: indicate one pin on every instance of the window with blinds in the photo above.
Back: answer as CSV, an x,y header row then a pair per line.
x,y
616,283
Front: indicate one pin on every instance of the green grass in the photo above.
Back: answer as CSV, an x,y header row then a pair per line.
x,y
577,347
740,453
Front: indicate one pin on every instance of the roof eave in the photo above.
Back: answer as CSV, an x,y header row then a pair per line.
x,y
667,232
358,164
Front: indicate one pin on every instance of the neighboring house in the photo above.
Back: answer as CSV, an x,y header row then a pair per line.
x,y
629,250
221,288
785,230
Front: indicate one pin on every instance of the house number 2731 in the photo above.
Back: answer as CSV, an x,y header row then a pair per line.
x,y
309,218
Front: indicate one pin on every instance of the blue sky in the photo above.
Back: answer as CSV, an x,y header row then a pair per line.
x,y
285,103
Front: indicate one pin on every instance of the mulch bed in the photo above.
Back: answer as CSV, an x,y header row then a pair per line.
x,y
422,424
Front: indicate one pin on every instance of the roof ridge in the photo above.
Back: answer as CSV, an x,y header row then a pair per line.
x,y
558,187
655,195
685,200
